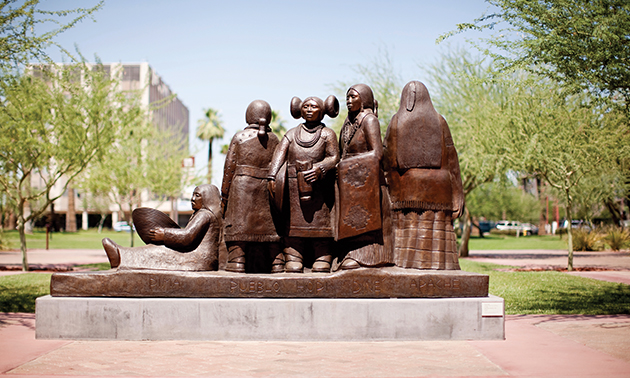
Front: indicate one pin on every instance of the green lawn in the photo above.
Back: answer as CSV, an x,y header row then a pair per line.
x,y
19,291
552,292
524,292
90,239
522,242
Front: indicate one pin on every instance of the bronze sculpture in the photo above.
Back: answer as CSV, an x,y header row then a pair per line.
x,y
309,152
419,189
424,182
250,226
359,179
170,247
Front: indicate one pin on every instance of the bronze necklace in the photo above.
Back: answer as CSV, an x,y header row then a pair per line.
x,y
317,131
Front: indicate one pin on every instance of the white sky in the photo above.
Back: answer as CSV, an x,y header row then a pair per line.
x,y
225,54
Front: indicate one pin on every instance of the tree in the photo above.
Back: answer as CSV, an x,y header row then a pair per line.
x,y
474,103
19,41
143,160
51,128
386,86
209,128
277,124
568,141
582,44
502,200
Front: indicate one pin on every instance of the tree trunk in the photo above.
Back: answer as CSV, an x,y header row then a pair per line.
x,y
22,233
11,222
613,208
101,222
569,233
463,246
210,161
71,217
544,216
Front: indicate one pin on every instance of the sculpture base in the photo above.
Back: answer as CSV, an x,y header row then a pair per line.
x,y
249,319
388,282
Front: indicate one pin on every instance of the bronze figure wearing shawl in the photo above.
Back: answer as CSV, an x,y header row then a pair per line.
x,y
359,180
425,186
170,247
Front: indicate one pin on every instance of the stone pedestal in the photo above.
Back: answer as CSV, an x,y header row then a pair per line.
x,y
295,319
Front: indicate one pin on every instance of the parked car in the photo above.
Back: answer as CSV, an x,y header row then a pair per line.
x,y
121,226
576,223
523,228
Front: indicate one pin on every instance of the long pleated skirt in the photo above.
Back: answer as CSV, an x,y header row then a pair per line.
x,y
424,239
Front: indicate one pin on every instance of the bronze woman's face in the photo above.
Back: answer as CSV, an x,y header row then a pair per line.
x,y
311,112
196,201
353,101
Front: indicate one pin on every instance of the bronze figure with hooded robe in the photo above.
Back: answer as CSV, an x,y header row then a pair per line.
x,y
424,183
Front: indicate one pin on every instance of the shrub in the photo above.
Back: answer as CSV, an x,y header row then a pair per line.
x,y
4,242
585,240
617,238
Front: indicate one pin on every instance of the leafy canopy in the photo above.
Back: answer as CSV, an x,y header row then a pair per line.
x,y
583,44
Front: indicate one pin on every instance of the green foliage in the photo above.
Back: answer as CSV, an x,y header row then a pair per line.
x,y
617,238
19,41
587,240
209,128
498,201
142,157
567,141
386,86
474,106
277,124
552,292
19,291
582,44
54,121
4,241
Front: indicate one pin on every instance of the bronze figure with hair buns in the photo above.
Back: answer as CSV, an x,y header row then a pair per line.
x,y
307,155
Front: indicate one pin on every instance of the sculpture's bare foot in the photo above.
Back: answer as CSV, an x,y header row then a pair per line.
x,y
236,267
294,267
322,264
111,248
348,264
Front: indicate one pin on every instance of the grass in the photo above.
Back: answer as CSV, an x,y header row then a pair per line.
x,y
511,242
90,239
524,292
552,292
19,291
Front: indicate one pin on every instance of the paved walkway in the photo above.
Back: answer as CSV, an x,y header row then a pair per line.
x,y
536,345
605,266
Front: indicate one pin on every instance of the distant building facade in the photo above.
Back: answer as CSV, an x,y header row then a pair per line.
x,y
170,115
